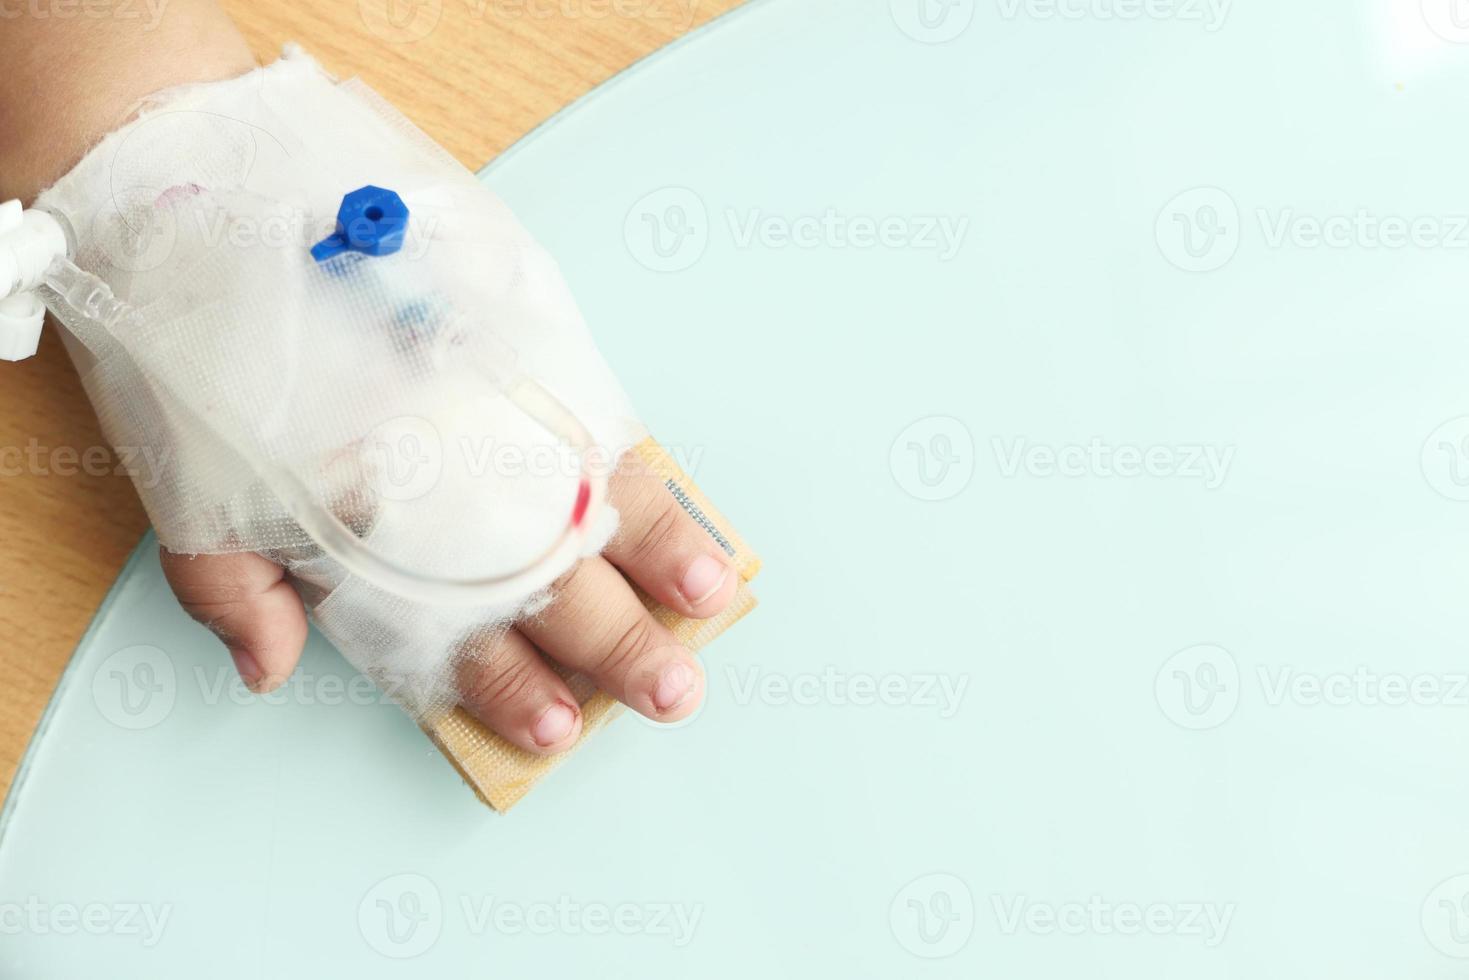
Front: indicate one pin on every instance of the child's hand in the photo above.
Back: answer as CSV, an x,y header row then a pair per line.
x,y
596,625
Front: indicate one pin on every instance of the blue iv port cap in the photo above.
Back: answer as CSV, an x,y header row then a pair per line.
x,y
372,220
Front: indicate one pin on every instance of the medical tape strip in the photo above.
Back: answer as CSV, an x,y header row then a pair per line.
x,y
502,773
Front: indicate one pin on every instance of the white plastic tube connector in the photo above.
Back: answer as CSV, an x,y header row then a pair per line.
x,y
29,241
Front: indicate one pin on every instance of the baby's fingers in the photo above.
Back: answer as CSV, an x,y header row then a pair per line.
x,y
597,626
245,600
508,685
662,548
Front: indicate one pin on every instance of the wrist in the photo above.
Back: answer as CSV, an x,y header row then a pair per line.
x,y
75,80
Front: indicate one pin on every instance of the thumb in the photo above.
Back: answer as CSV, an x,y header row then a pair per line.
x,y
247,602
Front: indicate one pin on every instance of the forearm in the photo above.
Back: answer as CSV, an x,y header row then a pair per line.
x,y
75,78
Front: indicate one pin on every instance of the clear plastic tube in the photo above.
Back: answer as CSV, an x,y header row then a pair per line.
x,y
68,287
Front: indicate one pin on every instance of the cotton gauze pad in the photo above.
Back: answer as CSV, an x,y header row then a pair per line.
x,y
341,351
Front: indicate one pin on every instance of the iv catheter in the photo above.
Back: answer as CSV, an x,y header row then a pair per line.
x,y
37,273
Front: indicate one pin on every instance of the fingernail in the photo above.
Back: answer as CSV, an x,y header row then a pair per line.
x,y
703,579
248,668
674,686
555,723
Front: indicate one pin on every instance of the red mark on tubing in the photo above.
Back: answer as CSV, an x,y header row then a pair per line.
x,y
583,500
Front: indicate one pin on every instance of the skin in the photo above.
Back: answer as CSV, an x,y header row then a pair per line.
x,y
89,73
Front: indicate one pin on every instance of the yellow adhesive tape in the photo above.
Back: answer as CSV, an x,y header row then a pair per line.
x,y
502,773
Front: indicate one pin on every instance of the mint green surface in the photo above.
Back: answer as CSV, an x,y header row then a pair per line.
x,y
1005,712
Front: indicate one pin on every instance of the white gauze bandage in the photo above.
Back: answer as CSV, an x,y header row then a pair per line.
x,y
405,411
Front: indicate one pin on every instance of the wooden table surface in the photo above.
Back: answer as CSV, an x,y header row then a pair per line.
x,y
476,75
